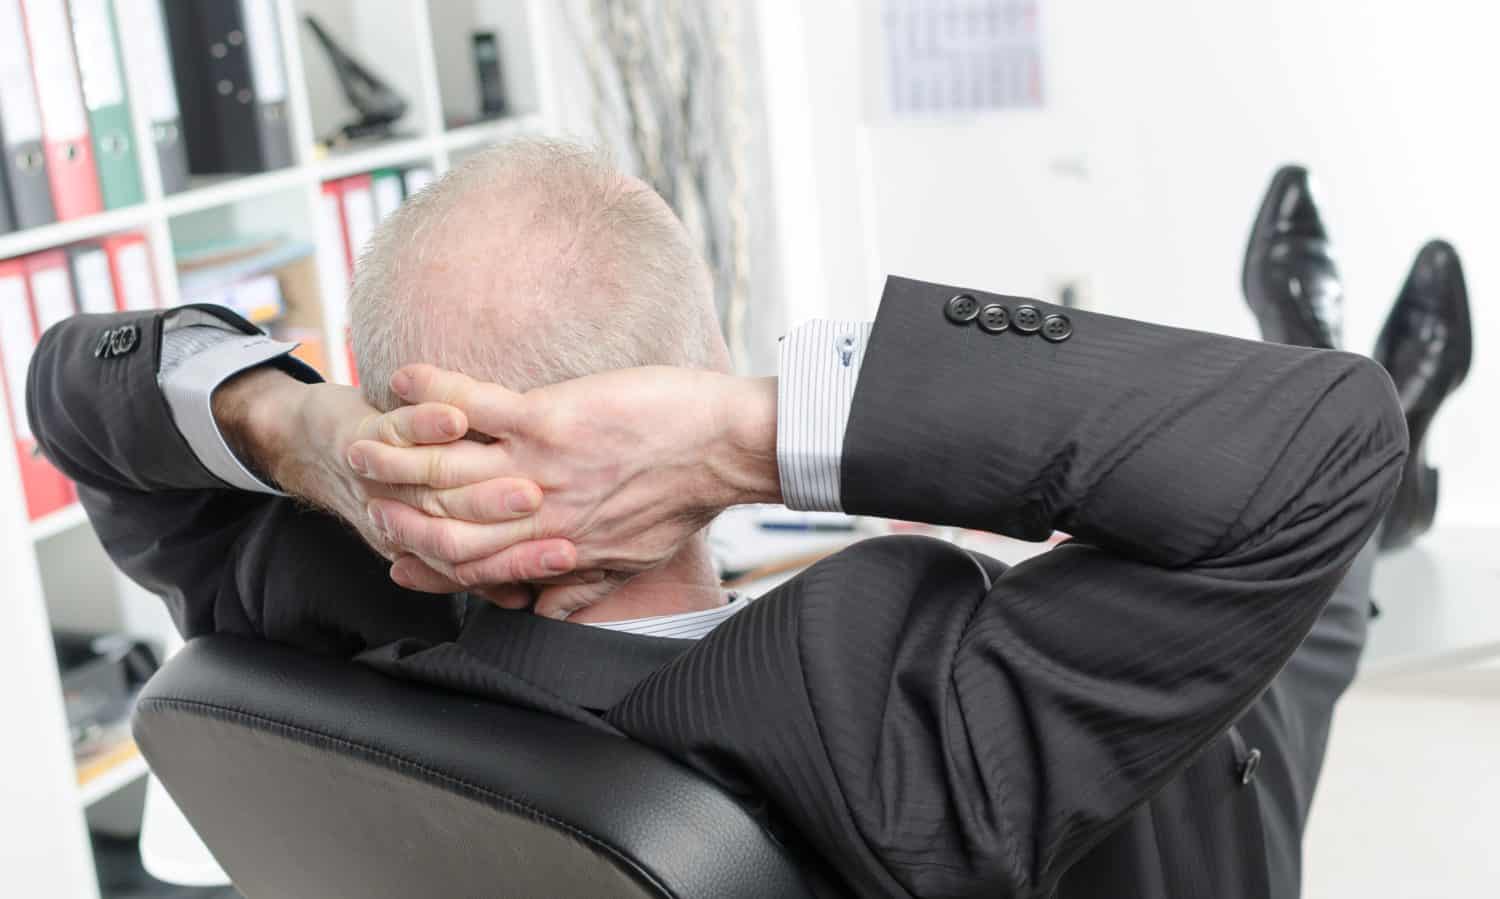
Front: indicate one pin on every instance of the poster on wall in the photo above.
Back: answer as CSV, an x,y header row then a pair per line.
x,y
962,56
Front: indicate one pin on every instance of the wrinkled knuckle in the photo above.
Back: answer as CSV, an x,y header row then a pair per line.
x,y
436,469
395,534
437,541
514,568
432,502
388,430
467,577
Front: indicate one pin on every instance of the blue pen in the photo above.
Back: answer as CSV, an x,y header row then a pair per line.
x,y
806,526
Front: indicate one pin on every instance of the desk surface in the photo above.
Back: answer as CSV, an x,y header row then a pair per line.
x,y
1439,604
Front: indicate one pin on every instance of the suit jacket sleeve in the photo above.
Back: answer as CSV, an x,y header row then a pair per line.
x,y
941,726
224,560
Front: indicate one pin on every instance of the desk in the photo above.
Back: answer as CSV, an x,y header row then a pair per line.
x,y
1439,604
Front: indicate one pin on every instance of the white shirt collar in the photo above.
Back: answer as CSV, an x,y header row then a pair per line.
x,y
682,626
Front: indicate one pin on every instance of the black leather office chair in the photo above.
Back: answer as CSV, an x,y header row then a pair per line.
x,y
310,777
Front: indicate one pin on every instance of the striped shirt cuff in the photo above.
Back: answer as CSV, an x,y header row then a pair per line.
x,y
195,359
819,369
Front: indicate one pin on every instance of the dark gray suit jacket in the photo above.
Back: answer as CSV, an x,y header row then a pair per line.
x,y
1093,722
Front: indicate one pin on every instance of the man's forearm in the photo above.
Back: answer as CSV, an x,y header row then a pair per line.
x,y
294,434
253,411
298,435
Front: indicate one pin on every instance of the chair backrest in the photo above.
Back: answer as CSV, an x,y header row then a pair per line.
x,y
311,777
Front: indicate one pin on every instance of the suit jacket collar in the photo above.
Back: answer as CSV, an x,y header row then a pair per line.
x,y
588,666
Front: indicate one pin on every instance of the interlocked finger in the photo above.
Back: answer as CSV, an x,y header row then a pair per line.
x,y
446,540
448,465
498,499
409,425
490,408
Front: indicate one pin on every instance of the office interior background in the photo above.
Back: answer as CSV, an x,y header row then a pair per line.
x,y
814,147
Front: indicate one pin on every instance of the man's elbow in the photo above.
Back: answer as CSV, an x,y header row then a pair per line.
x,y
1372,414
1356,441
1332,479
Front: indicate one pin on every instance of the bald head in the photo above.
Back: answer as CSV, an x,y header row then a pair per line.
x,y
532,262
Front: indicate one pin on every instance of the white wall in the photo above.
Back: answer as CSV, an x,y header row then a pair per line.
x,y
1164,122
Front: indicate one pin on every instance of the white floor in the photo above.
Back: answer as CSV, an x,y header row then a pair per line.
x,y
1409,804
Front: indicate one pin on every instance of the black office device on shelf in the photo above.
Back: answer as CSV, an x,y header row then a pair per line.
x,y
379,106
231,85
6,222
492,102
100,676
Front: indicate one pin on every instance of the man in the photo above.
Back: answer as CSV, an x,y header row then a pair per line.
x,y
925,720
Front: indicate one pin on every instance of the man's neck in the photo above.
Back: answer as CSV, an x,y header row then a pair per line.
x,y
686,583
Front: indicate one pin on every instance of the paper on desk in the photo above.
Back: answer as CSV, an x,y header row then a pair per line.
x,y
739,542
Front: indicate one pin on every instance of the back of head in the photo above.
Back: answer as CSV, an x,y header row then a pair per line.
x,y
532,262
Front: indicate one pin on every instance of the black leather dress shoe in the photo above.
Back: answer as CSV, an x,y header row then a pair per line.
x,y
1290,279
1426,344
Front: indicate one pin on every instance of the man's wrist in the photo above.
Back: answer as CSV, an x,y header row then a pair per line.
x,y
745,465
255,411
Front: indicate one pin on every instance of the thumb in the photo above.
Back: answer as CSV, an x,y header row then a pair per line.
x,y
563,601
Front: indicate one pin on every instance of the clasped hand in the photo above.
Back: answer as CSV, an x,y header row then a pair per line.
x,y
630,464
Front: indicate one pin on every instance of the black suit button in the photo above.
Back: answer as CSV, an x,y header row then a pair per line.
x,y
994,318
125,340
1027,318
117,342
1249,766
1057,328
962,309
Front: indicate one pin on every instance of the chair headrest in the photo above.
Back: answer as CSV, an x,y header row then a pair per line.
x,y
314,777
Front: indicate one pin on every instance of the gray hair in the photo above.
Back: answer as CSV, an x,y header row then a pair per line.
x,y
532,262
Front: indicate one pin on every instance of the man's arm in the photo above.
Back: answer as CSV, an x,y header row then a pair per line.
x,y
982,729
947,727
195,521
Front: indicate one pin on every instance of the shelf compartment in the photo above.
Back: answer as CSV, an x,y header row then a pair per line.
x,y
31,240
491,131
64,519
359,160
99,777
208,192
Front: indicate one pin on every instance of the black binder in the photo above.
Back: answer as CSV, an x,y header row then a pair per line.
x,y
7,224
492,100
149,32
231,85
24,166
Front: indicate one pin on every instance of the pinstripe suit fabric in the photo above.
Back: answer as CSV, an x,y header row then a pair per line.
x,y
926,721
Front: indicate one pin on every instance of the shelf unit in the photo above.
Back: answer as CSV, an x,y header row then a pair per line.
x,y
55,523
120,766
44,847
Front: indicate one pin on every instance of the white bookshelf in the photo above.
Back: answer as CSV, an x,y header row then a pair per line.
x,y
44,848
124,771
53,523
